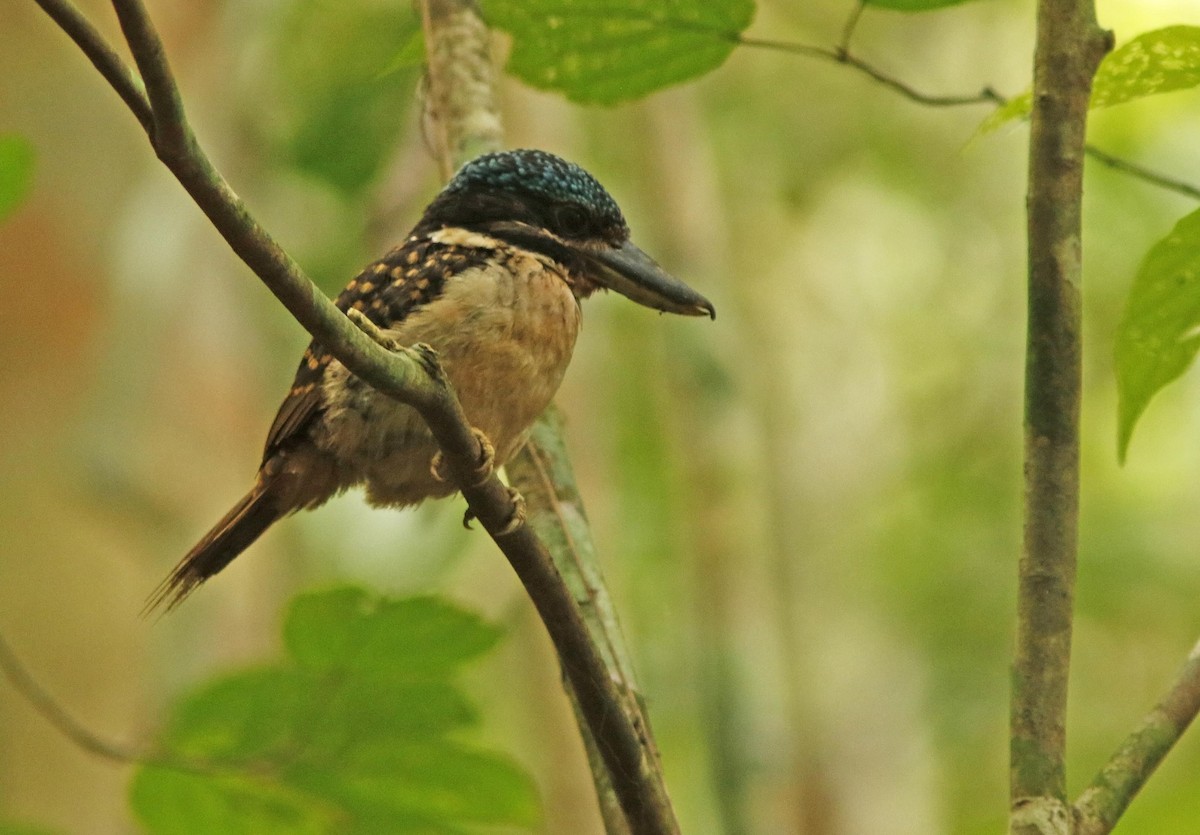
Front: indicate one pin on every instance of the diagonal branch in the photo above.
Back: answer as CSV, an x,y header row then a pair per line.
x,y
842,55
397,376
1141,172
410,376
621,751
1103,802
103,57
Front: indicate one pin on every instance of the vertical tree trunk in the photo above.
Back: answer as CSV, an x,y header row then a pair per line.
x,y
1070,46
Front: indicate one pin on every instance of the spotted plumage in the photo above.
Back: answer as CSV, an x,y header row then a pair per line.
x,y
406,278
491,278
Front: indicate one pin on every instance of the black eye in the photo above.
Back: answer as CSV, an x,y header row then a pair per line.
x,y
570,221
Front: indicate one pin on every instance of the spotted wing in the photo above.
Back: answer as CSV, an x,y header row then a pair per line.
x,y
386,291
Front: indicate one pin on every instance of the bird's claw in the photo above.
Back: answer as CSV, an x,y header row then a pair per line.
x,y
422,353
427,358
378,336
483,467
515,520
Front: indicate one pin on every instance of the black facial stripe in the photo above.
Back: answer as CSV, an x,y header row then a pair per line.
x,y
528,238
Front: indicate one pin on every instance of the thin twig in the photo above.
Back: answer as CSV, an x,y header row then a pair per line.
x,y
1142,173
850,25
842,55
988,95
170,123
103,57
1103,802
40,700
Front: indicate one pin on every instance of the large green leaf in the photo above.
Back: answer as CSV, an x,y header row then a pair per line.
x,y
16,171
1161,61
417,636
422,781
173,802
1160,332
608,51
350,734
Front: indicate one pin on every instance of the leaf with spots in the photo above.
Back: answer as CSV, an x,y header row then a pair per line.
x,y
1162,61
609,51
1159,334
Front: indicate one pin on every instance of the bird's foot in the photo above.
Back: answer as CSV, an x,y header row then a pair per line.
x,y
515,520
421,353
483,467
427,358
372,330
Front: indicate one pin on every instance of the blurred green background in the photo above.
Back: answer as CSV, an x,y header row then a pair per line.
x,y
809,510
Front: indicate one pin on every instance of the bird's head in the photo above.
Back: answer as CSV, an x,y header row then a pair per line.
x,y
540,202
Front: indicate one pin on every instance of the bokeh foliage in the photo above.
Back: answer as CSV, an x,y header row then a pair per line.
x,y
16,171
354,731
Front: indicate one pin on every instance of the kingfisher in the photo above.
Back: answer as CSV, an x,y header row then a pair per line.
x,y
490,278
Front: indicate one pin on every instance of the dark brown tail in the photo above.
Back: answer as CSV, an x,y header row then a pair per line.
x,y
256,512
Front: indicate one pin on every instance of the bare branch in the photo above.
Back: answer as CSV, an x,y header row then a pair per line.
x,y
1142,173
45,704
842,55
851,25
171,130
394,374
1103,802
103,57
1070,46
542,470
988,95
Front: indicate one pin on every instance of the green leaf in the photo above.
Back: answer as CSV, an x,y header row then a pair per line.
x,y
348,75
171,802
418,637
351,732
1161,61
609,51
913,5
443,781
1159,334
16,171
1017,107
249,714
